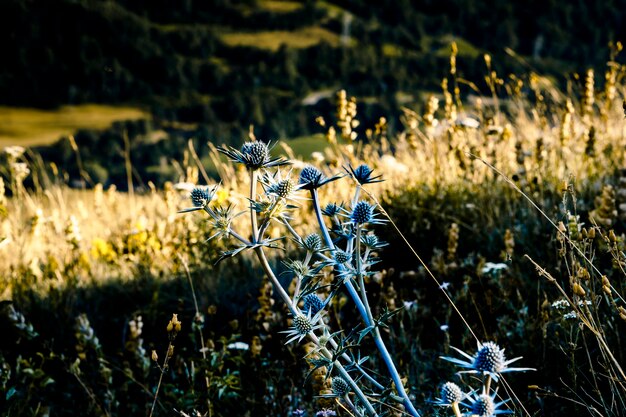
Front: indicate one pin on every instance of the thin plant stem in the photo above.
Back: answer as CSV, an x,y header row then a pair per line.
x,y
163,368
253,217
202,344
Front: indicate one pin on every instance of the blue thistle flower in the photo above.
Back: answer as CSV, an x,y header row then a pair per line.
x,y
450,393
341,257
325,413
312,303
488,360
372,242
332,209
301,326
200,197
312,178
254,155
312,242
484,405
363,212
339,386
363,174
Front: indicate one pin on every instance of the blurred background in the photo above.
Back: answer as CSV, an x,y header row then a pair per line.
x,y
208,70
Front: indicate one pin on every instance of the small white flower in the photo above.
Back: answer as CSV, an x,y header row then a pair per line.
x,y
238,346
493,267
444,327
570,316
317,156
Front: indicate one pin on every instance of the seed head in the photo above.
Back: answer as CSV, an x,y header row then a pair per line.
x,y
339,386
363,212
312,303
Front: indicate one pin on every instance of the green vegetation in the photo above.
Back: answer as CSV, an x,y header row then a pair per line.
x,y
35,127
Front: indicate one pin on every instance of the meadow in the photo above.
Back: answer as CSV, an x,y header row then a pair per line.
x,y
504,218
35,127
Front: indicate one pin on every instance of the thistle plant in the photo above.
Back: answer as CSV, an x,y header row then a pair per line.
x,y
490,363
344,243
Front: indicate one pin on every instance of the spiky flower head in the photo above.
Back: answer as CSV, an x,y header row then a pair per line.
x,y
312,303
450,393
363,174
325,413
301,326
488,360
200,197
312,178
372,242
363,212
298,268
284,188
255,153
312,242
331,209
484,405
340,256
339,386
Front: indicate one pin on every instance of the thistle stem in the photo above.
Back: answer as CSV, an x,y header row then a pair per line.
x,y
457,411
365,315
294,310
253,217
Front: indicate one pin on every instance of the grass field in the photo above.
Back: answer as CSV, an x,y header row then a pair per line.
x,y
32,127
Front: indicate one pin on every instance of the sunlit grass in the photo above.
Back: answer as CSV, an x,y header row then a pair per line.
x,y
279,6
272,40
31,127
